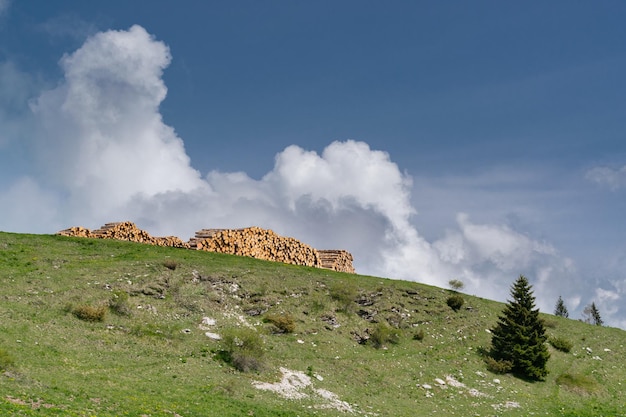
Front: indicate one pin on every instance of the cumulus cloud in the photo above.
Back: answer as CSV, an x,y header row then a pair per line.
x,y
103,153
612,178
103,139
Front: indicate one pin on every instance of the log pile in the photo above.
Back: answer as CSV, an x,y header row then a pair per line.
x,y
124,231
256,243
253,242
337,260
76,231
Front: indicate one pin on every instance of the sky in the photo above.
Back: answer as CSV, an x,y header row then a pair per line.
x,y
476,141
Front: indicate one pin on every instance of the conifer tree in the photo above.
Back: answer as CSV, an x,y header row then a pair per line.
x,y
560,309
592,315
520,335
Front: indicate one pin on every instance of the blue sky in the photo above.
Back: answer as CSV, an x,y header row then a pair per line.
x,y
434,140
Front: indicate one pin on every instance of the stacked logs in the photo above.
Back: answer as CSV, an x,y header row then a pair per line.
x,y
337,260
124,231
76,231
257,243
253,242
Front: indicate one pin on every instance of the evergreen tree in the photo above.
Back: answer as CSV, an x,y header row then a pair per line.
x,y
592,315
520,335
560,309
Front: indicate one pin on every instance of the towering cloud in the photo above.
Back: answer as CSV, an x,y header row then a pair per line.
x,y
103,154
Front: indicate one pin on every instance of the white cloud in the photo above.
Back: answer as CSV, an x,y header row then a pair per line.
x,y
104,154
103,138
612,178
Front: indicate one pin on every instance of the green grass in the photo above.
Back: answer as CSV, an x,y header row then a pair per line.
x,y
150,356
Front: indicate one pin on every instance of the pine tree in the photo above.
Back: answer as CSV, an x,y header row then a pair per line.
x,y
560,309
520,335
591,315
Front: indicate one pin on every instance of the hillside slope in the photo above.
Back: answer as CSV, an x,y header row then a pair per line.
x,y
324,343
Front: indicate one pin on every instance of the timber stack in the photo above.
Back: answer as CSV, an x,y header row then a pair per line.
x,y
253,242
337,260
124,231
76,231
256,242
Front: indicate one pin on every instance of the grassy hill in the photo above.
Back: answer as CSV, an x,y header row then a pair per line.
x,y
106,328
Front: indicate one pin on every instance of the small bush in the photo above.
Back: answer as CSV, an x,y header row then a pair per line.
x,y
498,366
89,313
345,293
119,303
419,335
456,284
170,264
243,349
561,344
455,302
283,323
6,360
383,334
549,323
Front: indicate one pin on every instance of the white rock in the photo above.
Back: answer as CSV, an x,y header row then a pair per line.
x,y
597,358
208,321
426,386
300,341
213,336
440,381
607,350
496,381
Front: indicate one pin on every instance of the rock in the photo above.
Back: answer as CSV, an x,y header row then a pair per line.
x,y
440,381
213,336
496,381
426,386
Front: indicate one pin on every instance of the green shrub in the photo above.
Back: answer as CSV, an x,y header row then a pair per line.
x,y
345,293
170,264
498,366
383,334
418,335
455,302
6,360
119,303
243,349
561,344
456,284
283,323
549,323
89,313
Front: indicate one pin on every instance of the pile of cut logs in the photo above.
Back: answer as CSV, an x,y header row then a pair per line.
x,y
337,260
253,242
124,231
256,243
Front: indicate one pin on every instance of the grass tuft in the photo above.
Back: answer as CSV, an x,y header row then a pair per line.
x,y
283,323
561,344
86,312
6,360
580,384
